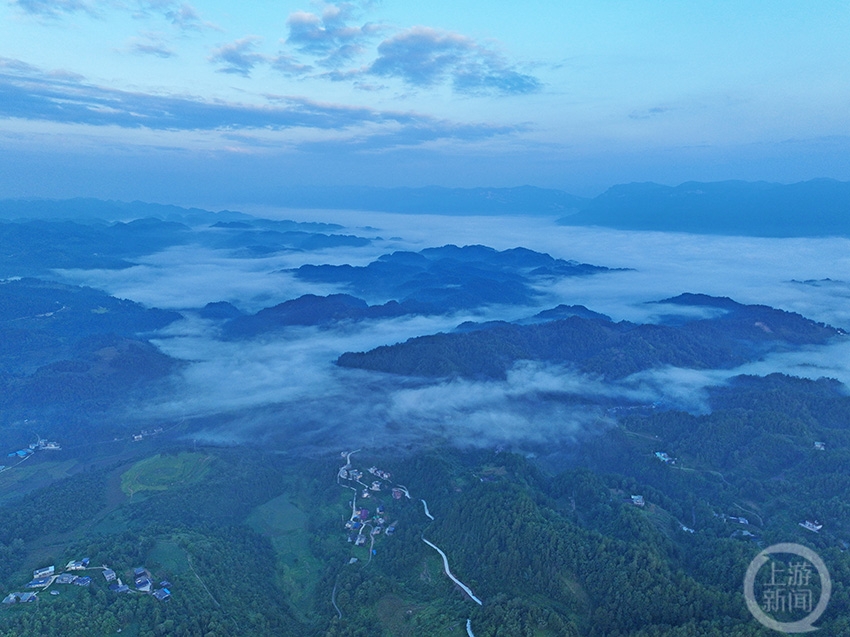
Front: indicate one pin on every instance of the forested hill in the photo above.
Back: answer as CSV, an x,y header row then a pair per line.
x,y
593,345
62,343
450,277
432,281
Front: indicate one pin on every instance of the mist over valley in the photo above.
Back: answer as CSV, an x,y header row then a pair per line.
x,y
193,376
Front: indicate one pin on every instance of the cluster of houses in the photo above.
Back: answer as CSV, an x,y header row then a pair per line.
x,y
745,534
363,524
41,445
144,433
363,519
383,475
44,578
732,518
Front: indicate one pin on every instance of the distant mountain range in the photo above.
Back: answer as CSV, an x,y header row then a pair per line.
x,y
38,237
434,200
812,208
820,207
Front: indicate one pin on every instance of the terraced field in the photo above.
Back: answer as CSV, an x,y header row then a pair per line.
x,y
163,472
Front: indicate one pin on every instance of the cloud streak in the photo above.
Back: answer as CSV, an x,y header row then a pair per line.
x,y
181,14
53,8
31,94
151,45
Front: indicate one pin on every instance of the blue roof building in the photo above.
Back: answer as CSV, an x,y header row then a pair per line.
x,y
39,583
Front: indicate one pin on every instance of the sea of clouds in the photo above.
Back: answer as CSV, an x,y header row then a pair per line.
x,y
286,390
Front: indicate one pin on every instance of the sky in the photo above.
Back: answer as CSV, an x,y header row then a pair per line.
x,y
215,102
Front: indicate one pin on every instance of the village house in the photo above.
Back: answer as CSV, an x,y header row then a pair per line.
x,y
40,582
663,457
79,565
144,585
47,571
24,598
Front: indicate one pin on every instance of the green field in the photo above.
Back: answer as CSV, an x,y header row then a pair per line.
x,y
276,517
169,557
163,472
22,478
298,569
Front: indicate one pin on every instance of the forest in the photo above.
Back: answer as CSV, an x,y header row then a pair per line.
x,y
252,541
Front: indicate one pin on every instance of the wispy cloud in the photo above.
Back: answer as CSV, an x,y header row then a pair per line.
x,y
53,8
181,14
239,57
184,16
242,57
289,65
421,57
424,57
150,46
29,93
649,113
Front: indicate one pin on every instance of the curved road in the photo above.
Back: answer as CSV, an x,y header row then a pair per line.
x,y
427,512
465,588
333,601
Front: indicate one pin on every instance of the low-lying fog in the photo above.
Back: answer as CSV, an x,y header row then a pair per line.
x,y
286,389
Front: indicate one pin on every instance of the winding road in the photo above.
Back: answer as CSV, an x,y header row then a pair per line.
x,y
427,512
463,586
446,568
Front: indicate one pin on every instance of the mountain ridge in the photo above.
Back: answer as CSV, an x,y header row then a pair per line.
x,y
813,208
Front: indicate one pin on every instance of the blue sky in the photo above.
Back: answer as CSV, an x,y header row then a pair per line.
x,y
219,102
